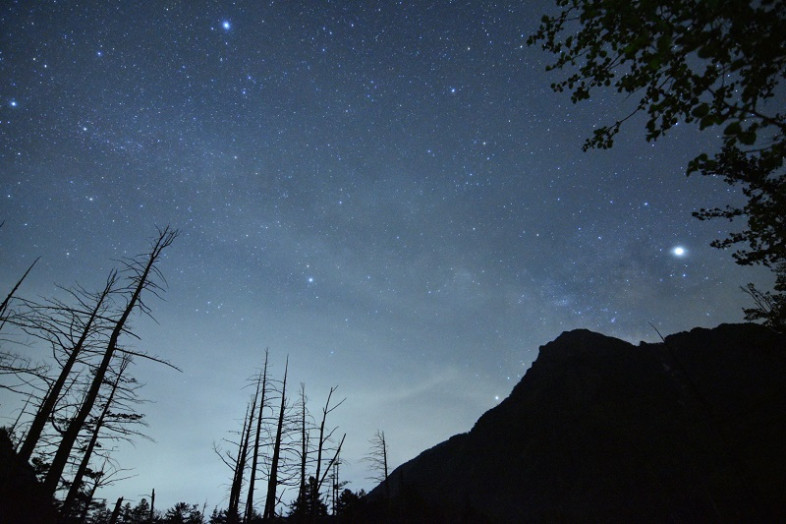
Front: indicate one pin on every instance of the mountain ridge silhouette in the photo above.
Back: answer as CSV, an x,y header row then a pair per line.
x,y
688,429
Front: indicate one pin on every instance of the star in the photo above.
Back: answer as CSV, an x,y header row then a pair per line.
x,y
679,251
226,25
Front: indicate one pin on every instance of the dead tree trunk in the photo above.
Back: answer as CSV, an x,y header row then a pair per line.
x,y
141,280
76,484
7,301
116,512
323,438
49,401
88,500
303,444
152,506
378,459
272,483
261,391
333,461
233,512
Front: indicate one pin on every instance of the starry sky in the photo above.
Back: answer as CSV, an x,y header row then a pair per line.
x,y
387,192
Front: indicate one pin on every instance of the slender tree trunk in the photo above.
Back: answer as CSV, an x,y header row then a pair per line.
x,y
320,444
90,497
335,485
77,482
385,454
4,305
333,461
141,281
152,505
240,463
378,458
319,476
12,429
255,456
49,401
303,444
116,512
385,464
272,483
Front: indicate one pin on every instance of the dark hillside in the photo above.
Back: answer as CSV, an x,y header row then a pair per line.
x,y
688,430
22,499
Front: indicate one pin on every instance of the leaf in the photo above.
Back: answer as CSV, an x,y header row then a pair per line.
x,y
748,137
697,163
733,129
707,121
701,110
708,50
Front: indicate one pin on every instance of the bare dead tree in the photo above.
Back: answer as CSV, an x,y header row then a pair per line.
x,y
304,441
239,467
334,460
309,498
10,364
90,495
336,483
272,483
261,393
377,459
249,447
56,333
12,428
76,482
291,451
152,513
116,511
142,278
325,436
108,474
21,369
4,307
25,374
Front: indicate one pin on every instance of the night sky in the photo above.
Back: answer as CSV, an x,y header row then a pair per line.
x,y
387,192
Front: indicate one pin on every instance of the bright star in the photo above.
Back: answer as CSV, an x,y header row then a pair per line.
x,y
678,251
226,25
